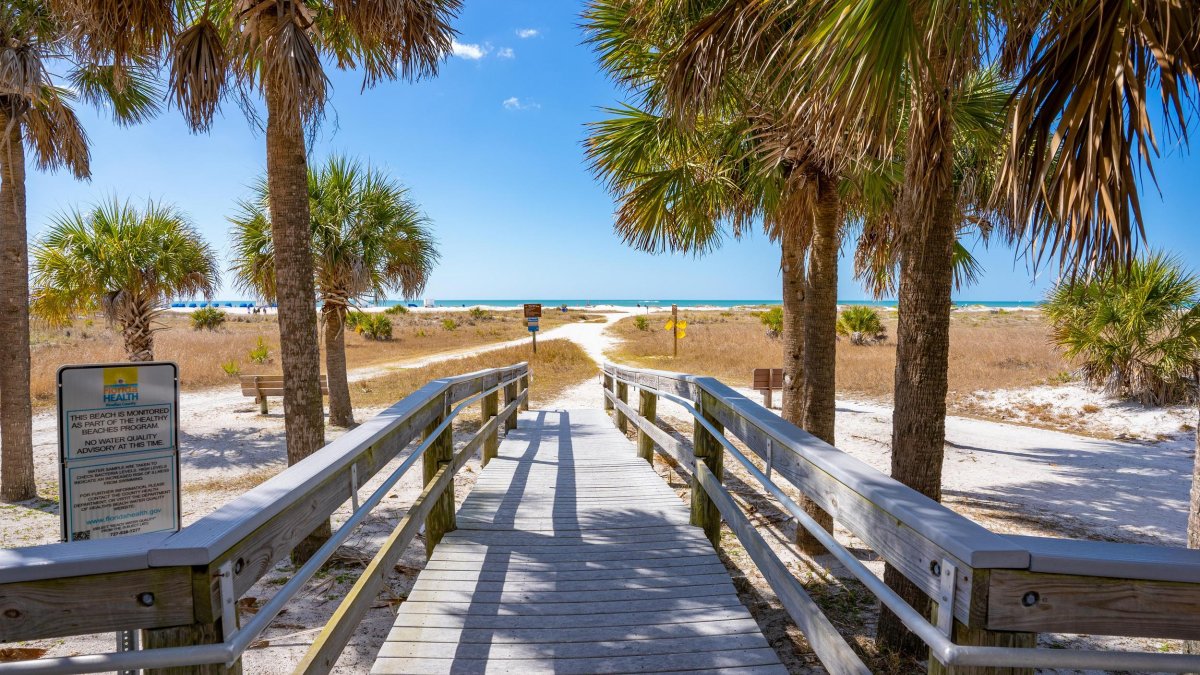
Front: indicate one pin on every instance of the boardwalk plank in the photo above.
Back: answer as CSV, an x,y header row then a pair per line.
x,y
573,556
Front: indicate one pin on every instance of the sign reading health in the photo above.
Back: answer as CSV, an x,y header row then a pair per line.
x,y
118,449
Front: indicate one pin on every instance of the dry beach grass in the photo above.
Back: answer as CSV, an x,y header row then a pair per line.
x,y
987,351
200,354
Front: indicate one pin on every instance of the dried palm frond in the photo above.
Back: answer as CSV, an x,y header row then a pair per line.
x,y
390,38
55,135
1084,126
199,72
276,51
118,31
21,70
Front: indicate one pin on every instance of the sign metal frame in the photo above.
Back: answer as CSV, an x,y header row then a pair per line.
x,y
64,501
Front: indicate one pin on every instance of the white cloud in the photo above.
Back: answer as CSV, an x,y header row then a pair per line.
x,y
506,53
468,51
525,33
514,103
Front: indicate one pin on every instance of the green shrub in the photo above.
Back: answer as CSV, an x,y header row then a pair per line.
x,y
773,320
449,324
354,319
1135,331
231,368
261,352
207,318
396,309
375,327
641,323
479,314
862,325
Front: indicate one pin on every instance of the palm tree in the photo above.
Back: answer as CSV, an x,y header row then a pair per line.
x,y
127,262
277,49
877,74
686,185
36,114
368,237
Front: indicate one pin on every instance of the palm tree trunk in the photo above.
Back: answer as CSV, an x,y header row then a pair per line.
x,y
1193,527
820,336
287,184
792,265
16,414
341,413
137,330
923,335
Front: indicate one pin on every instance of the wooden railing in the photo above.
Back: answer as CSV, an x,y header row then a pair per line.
x,y
181,588
999,590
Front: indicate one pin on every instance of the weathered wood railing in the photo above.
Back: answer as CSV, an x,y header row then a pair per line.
x,y
181,589
1000,590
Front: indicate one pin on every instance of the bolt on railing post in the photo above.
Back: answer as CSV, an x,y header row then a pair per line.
x,y
441,518
623,394
648,409
608,386
707,449
489,408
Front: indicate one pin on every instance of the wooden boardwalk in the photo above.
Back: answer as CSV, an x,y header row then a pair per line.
x,y
573,556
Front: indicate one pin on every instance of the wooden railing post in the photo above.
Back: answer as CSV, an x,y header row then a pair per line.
x,y
489,408
441,519
525,388
708,450
978,637
511,392
206,630
623,394
647,408
608,386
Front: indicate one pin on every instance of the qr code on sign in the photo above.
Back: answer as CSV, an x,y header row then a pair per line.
x,y
81,536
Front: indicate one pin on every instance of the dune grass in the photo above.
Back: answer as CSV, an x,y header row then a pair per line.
x,y
987,351
200,354
558,365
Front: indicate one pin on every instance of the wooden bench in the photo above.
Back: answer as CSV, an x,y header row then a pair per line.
x,y
767,380
262,386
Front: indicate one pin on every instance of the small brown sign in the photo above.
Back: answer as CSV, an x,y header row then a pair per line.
x,y
533,310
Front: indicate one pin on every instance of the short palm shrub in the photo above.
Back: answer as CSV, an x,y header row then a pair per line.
x,y
396,309
449,324
231,368
261,352
207,318
354,319
1135,331
375,327
773,320
862,325
641,323
478,314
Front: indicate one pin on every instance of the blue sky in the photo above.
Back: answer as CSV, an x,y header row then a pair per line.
x,y
492,150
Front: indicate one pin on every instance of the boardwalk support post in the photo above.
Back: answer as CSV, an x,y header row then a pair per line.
x,y
608,386
525,388
187,636
489,408
441,518
623,394
511,392
707,449
647,408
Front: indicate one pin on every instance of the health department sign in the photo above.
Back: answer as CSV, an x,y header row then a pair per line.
x,y
118,449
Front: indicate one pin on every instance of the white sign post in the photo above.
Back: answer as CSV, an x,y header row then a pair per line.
x,y
118,449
